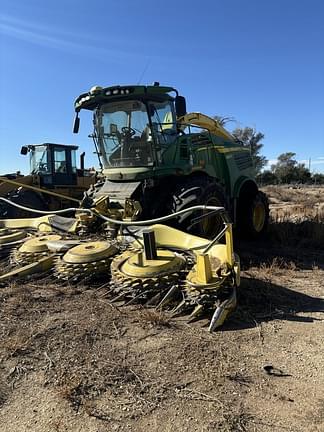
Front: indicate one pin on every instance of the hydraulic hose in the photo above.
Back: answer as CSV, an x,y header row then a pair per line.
x,y
162,218
117,221
44,212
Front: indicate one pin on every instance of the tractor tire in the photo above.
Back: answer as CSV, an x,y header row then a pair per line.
x,y
198,192
26,198
253,216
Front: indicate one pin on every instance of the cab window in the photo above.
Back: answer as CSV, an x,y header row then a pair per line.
x,y
60,161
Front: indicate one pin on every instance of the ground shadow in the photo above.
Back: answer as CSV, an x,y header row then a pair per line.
x,y
254,253
261,301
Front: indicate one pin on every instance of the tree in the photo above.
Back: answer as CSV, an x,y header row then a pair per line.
x,y
222,120
288,170
251,139
266,177
318,178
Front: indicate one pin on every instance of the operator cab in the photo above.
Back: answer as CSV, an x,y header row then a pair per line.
x,y
127,130
133,126
55,164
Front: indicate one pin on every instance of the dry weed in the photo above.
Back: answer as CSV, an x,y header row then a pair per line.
x,y
58,425
307,234
16,344
154,317
297,213
309,196
234,421
295,204
277,267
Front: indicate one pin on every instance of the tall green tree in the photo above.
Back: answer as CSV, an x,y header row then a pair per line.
x,y
266,177
289,170
252,139
318,178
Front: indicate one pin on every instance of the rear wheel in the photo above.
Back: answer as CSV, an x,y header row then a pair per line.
x,y
253,216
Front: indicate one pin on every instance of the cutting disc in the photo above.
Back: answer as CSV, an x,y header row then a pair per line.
x,y
38,244
139,267
89,252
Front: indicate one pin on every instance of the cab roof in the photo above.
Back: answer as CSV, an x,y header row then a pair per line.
x,y
100,95
50,145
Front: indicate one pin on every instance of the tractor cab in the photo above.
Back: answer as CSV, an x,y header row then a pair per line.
x,y
133,126
131,132
54,164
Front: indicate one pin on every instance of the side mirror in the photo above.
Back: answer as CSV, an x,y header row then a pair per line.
x,y
24,150
180,106
76,123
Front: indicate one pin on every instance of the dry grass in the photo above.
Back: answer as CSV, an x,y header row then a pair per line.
x,y
296,216
155,318
277,267
119,365
288,204
95,358
306,234
302,195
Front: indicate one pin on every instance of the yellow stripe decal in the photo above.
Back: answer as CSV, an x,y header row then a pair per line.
x,y
223,149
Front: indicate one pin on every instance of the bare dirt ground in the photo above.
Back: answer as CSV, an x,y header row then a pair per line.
x,y
70,361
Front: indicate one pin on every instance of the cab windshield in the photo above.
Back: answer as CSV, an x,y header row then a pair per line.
x,y
39,160
126,133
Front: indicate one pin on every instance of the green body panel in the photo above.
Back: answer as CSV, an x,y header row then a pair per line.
x,y
215,159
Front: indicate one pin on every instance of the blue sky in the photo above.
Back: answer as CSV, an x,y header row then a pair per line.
x,y
261,62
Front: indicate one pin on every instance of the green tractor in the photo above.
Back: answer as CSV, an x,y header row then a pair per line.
x,y
157,159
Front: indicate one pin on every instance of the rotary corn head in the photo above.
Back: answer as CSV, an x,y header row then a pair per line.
x,y
155,266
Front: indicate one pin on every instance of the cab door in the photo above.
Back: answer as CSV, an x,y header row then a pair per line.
x,y
63,174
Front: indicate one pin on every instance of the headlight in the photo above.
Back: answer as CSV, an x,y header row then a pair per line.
x,y
95,89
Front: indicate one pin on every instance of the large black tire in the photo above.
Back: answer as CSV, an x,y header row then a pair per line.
x,y
253,215
25,198
198,191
